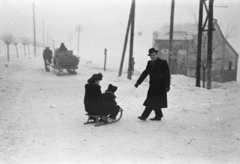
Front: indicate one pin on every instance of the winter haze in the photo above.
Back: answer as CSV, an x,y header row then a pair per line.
x,y
104,24
42,115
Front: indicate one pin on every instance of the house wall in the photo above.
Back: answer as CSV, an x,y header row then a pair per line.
x,y
229,76
163,47
218,50
229,69
217,56
230,57
224,67
186,54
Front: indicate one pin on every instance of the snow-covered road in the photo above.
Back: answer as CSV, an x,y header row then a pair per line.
x,y
42,116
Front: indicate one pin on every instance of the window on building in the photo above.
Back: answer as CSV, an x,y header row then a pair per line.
x,y
230,66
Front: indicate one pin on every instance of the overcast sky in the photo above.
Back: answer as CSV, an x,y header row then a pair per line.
x,y
104,23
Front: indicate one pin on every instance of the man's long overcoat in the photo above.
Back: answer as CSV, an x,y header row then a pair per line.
x,y
159,80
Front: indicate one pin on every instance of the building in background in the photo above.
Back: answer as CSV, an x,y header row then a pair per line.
x,y
224,57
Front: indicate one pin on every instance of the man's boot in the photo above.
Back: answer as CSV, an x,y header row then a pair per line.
x,y
158,115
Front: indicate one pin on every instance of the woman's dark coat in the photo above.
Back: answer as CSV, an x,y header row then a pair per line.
x,y
159,81
94,103
93,99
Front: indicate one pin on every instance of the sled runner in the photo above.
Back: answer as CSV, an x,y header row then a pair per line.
x,y
98,119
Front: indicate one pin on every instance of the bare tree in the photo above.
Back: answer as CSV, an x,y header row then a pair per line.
x,y
15,42
232,30
7,39
204,69
28,44
25,41
203,62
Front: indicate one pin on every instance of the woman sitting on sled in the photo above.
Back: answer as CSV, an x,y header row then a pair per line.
x,y
93,100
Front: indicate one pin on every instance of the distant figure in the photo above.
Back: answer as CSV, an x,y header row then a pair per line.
x,y
62,47
47,57
132,65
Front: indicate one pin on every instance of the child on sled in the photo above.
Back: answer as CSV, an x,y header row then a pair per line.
x,y
94,103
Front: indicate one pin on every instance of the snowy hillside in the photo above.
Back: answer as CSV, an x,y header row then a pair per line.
x,y
42,116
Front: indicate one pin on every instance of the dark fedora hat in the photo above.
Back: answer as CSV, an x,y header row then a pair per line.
x,y
151,50
111,88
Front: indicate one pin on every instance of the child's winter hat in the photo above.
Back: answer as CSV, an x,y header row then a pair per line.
x,y
112,88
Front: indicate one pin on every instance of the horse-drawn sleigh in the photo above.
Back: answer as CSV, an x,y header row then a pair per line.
x,y
64,59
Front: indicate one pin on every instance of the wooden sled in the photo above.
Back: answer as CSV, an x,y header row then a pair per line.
x,y
97,119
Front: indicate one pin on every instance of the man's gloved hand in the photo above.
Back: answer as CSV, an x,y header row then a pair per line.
x,y
136,85
167,89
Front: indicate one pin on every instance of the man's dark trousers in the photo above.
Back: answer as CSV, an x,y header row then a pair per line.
x,y
148,110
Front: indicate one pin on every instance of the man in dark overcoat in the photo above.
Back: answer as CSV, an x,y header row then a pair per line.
x,y
159,85
47,57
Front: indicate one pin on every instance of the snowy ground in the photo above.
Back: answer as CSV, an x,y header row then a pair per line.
x,y
42,116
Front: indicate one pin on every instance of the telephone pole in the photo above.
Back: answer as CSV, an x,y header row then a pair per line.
x,y
199,43
53,45
170,55
78,29
131,43
105,59
209,48
43,36
47,37
34,31
70,40
125,42
130,24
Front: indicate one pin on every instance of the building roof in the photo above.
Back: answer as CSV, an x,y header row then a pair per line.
x,y
186,31
227,43
177,35
182,31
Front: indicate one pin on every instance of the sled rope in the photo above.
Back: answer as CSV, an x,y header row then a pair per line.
x,y
128,96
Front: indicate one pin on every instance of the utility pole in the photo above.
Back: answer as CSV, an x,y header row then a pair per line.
x,y
131,43
170,55
70,40
125,42
43,36
34,31
47,36
105,60
209,48
79,29
199,44
53,45
130,23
